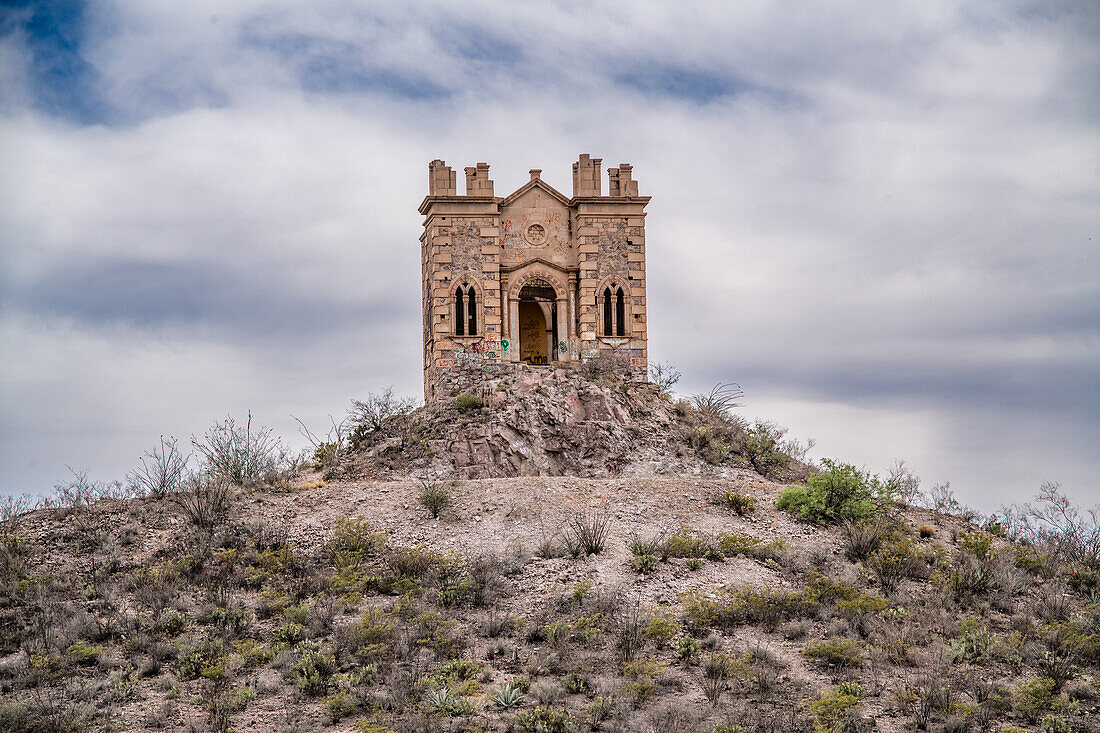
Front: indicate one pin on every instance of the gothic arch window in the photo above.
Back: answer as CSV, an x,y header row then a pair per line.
x,y
612,306
465,304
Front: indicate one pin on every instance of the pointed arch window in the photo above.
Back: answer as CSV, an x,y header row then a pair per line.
x,y
472,305
613,311
620,313
465,311
460,312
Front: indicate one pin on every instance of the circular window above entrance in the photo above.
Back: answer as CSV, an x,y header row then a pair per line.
x,y
535,234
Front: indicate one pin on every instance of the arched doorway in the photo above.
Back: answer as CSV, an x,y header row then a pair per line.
x,y
538,323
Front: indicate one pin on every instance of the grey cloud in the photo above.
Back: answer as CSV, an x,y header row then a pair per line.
x,y
869,216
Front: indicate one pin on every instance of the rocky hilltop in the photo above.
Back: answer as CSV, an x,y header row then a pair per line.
x,y
554,551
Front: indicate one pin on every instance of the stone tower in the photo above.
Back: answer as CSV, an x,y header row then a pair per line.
x,y
534,278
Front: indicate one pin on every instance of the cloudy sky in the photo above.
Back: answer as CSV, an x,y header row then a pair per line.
x,y
882,219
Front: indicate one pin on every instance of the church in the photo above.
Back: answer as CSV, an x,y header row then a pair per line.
x,y
535,278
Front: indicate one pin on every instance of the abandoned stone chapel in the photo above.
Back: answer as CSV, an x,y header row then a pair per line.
x,y
535,278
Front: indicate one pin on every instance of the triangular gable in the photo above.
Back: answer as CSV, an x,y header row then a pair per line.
x,y
538,261
536,183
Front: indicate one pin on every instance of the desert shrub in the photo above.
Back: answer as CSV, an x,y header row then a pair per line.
x,y
586,533
642,675
313,668
709,445
862,605
688,648
863,538
660,629
732,545
434,496
371,637
206,659
741,505
467,402
241,455
720,402
544,720
83,654
290,633
895,560
836,652
716,670
1055,724
664,376
205,499
162,469
1033,698
339,705
370,415
840,492
354,538
644,564
1066,648
686,543
834,709
760,446
767,607
1057,528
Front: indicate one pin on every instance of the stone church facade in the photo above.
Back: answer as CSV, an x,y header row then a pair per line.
x,y
534,278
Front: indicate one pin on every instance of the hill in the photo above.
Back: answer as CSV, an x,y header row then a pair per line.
x,y
602,559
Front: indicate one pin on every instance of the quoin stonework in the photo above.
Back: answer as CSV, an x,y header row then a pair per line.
x,y
534,278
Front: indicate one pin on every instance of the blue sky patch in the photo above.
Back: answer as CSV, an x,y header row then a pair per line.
x,y
63,83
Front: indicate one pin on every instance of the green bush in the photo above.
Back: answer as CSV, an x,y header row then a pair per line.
x,y
832,711
371,638
467,402
290,633
314,668
435,497
83,654
339,705
544,720
767,607
760,446
741,505
836,652
1034,698
840,492
688,648
709,445
206,659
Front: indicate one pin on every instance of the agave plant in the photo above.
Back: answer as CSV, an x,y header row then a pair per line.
x,y
508,696
442,701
